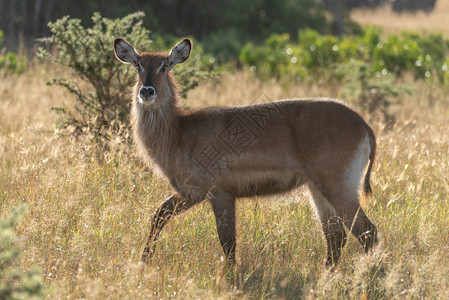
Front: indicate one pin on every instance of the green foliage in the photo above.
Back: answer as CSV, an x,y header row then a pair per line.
x,y
11,63
223,28
370,90
99,83
87,52
425,56
225,43
15,283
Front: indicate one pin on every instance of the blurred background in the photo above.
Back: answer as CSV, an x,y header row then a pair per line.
x,y
223,26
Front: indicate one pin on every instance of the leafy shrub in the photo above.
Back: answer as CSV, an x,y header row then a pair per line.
x,y
11,63
102,97
370,90
14,283
425,56
88,54
435,51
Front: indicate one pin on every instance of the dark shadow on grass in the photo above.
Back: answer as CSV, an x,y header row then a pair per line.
x,y
257,279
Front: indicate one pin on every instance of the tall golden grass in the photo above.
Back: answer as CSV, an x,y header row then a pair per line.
x,y
436,21
88,211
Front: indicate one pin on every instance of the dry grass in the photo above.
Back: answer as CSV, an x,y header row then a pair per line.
x,y
88,211
436,21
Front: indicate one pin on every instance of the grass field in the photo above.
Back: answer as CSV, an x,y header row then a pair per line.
x,y
436,21
87,211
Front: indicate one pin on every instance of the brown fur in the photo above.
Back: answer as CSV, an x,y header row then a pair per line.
x,y
223,153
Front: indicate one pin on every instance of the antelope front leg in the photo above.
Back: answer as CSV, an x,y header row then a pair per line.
x,y
223,204
173,205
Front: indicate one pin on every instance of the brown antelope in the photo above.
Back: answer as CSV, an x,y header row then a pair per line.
x,y
224,153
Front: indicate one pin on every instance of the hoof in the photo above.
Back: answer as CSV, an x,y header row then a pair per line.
x,y
331,265
146,255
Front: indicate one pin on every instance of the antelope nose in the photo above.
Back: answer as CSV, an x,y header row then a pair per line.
x,y
147,92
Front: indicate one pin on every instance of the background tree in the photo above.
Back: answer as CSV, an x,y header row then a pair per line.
x,y
27,19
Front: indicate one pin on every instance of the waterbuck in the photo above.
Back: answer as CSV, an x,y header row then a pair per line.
x,y
223,153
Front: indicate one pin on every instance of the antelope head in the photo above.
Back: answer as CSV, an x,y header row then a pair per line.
x,y
154,80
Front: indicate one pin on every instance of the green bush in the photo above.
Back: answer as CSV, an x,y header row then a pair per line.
x,y
87,52
314,54
370,90
100,84
10,63
15,283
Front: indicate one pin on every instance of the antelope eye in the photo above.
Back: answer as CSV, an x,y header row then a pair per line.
x,y
163,68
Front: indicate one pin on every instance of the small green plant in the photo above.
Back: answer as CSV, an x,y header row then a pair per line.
x,y
370,90
15,283
10,63
100,84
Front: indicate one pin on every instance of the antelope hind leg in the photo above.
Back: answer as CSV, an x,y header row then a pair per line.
x,y
332,225
223,205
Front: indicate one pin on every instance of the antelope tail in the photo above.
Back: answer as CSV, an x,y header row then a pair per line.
x,y
367,191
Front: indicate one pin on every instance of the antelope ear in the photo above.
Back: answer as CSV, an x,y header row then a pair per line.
x,y
179,53
126,53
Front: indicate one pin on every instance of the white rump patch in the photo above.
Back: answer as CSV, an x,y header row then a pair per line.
x,y
321,206
357,167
